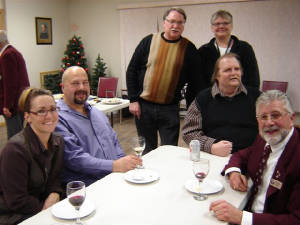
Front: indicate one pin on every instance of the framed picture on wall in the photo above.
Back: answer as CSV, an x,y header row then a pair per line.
x,y
43,27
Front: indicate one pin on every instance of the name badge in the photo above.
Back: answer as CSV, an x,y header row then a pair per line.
x,y
276,183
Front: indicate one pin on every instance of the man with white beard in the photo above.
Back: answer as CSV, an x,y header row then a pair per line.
x,y
273,164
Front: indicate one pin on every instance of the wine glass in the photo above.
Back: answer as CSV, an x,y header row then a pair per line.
x,y
200,169
76,196
138,145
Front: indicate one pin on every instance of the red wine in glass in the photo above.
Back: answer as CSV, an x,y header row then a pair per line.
x,y
200,176
200,169
76,200
76,196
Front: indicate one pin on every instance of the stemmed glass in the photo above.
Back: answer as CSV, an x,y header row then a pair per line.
x,y
138,145
200,169
76,196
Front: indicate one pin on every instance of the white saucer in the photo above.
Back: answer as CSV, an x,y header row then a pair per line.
x,y
141,176
64,210
207,187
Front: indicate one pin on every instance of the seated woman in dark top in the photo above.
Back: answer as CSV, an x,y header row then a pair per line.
x,y
223,117
31,161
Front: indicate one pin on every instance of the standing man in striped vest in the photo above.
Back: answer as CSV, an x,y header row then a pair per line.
x,y
159,68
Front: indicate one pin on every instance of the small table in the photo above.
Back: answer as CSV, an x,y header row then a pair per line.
x,y
163,202
105,108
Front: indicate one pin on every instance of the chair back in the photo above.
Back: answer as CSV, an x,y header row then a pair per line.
x,y
107,87
274,85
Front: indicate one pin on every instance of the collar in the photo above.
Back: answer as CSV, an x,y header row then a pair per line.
x,y
216,91
64,107
169,41
4,48
34,140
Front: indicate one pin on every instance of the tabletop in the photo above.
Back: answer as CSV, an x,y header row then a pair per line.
x,y
108,108
164,201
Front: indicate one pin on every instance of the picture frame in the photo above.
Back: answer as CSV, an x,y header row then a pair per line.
x,y
50,80
43,27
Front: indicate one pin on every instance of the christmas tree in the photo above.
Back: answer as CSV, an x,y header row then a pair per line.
x,y
74,55
98,71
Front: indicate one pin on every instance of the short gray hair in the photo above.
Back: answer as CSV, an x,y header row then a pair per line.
x,y
177,9
273,95
3,36
223,14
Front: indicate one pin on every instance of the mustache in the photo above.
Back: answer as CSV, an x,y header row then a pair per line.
x,y
81,92
271,128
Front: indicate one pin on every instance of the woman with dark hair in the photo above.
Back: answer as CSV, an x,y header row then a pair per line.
x,y
31,161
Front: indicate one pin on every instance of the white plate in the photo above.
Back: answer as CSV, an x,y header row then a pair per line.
x,y
111,101
141,176
64,210
94,101
207,187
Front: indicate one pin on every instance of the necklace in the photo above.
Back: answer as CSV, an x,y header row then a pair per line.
x,y
227,49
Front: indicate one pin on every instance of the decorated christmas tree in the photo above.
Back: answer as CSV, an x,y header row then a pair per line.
x,y
74,55
98,71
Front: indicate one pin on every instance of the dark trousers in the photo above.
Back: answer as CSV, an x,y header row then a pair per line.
x,y
14,124
158,118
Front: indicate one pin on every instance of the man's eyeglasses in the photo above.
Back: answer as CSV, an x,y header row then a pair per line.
x,y
44,112
219,24
173,22
273,116
77,84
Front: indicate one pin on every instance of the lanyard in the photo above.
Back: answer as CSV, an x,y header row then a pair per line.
x,y
227,49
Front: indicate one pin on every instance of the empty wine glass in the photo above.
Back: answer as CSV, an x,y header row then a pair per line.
x,y
138,145
200,169
76,196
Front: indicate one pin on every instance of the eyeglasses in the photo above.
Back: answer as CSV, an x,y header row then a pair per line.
x,y
44,112
273,116
219,24
77,84
173,22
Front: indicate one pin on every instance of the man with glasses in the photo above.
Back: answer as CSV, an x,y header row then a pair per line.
x,y
223,42
159,68
272,163
92,149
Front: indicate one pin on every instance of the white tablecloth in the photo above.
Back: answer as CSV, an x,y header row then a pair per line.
x,y
165,201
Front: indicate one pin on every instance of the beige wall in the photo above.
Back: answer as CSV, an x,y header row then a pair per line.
x,y
98,24
20,20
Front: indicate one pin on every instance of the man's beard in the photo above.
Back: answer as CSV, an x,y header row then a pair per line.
x,y
80,101
274,140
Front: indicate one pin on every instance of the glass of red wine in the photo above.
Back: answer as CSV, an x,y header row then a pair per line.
x,y
200,169
76,196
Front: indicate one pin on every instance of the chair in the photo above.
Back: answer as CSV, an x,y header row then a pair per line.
x,y
274,85
107,87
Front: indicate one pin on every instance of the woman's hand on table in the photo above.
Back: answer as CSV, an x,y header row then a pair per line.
x,y
51,200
